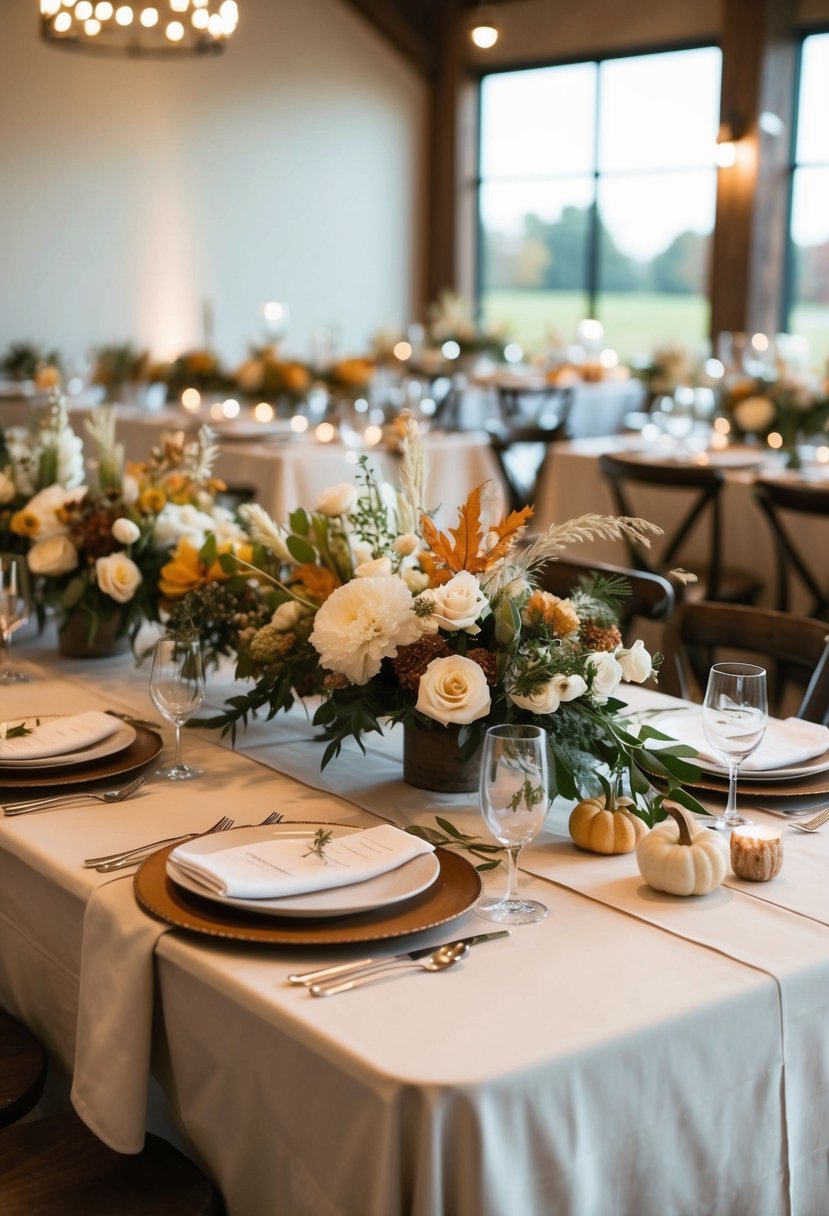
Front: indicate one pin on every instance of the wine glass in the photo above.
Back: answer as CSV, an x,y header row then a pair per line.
x,y
734,716
14,610
177,691
514,801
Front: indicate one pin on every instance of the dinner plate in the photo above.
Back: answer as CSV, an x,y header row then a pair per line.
x,y
116,742
453,893
402,883
748,784
142,751
246,431
790,772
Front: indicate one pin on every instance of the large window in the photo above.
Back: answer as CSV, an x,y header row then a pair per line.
x,y
809,298
597,199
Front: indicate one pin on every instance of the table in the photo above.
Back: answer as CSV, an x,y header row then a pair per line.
x,y
571,484
633,1053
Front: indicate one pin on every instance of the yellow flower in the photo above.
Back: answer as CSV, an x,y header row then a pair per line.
x,y
317,582
151,500
354,371
545,608
296,377
25,523
185,571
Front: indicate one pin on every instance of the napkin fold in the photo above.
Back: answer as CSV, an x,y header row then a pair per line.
x,y
278,867
58,736
786,743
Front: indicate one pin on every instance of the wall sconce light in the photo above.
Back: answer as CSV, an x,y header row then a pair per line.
x,y
731,130
484,29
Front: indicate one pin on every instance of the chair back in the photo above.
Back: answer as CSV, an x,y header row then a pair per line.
x,y
774,497
798,648
651,595
620,473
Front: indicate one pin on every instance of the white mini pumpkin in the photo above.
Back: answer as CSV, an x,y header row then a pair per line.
x,y
677,858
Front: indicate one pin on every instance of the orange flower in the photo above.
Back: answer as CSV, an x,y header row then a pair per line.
x,y
353,371
24,523
151,500
317,582
296,378
185,572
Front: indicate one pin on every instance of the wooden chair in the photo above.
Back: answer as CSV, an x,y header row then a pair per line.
x,y
57,1167
798,648
521,447
22,1070
775,497
651,595
716,582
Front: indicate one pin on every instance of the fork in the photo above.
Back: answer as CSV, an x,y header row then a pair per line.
x,y
42,804
129,857
812,825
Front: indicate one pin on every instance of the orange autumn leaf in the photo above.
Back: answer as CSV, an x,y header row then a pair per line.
x,y
461,550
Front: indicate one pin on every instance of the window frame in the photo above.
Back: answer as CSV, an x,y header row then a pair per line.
x,y
596,58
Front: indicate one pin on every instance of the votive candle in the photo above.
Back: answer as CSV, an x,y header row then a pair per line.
x,y
756,852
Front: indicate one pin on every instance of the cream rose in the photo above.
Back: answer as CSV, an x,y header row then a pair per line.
x,y
52,556
607,674
373,569
337,500
458,604
118,577
287,615
635,662
542,700
453,690
125,531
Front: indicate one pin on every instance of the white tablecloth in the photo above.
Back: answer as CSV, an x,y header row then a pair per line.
x,y
632,1054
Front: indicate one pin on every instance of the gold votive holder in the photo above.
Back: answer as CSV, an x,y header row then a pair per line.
x,y
756,852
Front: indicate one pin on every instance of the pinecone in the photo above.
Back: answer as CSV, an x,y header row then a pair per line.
x,y
412,661
595,637
487,661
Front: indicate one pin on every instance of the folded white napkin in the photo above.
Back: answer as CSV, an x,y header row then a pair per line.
x,y
785,743
57,736
273,868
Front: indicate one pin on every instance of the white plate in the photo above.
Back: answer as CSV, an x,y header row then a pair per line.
x,y
809,768
116,742
391,888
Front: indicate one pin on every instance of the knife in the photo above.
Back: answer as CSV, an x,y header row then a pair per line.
x,y
367,964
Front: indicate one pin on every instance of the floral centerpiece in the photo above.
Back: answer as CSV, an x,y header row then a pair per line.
x,y
264,374
97,553
451,320
366,602
119,369
792,407
200,369
27,361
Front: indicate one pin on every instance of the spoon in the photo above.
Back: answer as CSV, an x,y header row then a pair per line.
x,y
442,958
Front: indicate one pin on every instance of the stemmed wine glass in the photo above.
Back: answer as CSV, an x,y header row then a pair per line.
x,y
514,801
177,691
734,716
14,609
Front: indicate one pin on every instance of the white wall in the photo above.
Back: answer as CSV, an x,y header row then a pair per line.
x,y
289,168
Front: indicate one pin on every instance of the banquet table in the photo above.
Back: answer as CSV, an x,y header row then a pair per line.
x,y
633,1053
571,484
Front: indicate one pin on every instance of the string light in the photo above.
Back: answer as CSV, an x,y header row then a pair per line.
x,y
163,28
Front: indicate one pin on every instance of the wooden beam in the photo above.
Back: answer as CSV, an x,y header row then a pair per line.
x,y
397,28
748,254
443,156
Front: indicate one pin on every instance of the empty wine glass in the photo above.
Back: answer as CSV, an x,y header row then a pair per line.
x,y
734,716
177,691
14,610
514,801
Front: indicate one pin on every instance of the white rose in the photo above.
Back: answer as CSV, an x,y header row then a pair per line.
x,y
453,689
118,577
125,531
607,674
569,687
635,662
7,487
373,569
287,615
542,700
52,556
337,500
458,603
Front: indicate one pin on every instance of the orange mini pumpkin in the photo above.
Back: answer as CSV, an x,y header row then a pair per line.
x,y
605,825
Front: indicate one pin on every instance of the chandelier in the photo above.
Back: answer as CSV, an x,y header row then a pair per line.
x,y
161,29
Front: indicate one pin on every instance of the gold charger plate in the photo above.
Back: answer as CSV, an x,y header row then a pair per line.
x,y
453,892
143,750
797,787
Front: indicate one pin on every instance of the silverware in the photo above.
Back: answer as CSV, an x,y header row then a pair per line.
x,y
133,857
812,825
42,804
438,960
370,964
